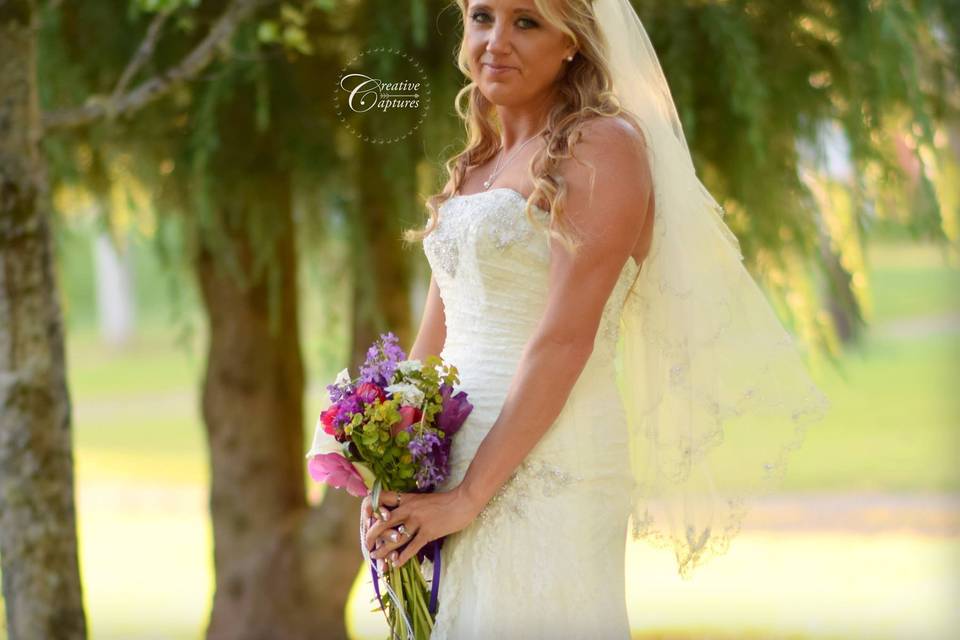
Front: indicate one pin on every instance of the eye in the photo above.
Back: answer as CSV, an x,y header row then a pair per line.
x,y
531,24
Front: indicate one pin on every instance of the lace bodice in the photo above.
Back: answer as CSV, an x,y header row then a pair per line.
x,y
492,268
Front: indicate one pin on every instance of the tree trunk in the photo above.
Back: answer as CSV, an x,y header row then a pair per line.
x,y
283,570
841,303
38,538
382,286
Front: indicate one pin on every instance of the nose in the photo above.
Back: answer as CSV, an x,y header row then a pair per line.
x,y
498,40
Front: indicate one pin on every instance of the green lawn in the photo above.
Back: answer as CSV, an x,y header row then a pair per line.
x,y
910,280
893,425
145,537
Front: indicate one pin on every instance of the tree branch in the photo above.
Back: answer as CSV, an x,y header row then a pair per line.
x,y
143,53
99,107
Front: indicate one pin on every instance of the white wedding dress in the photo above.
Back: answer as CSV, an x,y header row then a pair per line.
x,y
545,558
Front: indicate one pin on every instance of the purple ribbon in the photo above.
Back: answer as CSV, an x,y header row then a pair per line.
x,y
429,552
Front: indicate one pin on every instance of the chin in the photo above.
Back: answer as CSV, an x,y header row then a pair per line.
x,y
502,93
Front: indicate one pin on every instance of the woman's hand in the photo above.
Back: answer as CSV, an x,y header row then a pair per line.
x,y
366,508
424,517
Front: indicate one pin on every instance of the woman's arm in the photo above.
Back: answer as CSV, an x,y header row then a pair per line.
x,y
433,328
609,224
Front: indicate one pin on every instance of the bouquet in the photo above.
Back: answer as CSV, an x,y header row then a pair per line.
x,y
391,429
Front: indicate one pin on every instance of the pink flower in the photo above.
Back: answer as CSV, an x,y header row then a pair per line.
x,y
369,393
337,471
408,415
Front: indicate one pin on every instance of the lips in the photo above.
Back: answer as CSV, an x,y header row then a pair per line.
x,y
498,69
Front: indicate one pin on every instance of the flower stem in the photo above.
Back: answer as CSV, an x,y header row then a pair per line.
x,y
423,592
396,582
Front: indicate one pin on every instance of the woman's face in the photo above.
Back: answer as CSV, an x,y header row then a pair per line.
x,y
512,35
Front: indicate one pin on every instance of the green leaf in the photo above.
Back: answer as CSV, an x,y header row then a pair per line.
x,y
375,494
268,31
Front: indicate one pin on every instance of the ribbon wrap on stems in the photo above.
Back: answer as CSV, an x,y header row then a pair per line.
x,y
430,552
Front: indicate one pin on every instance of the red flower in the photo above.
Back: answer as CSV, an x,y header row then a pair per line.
x,y
370,392
327,416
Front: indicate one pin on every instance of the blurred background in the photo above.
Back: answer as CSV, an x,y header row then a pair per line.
x,y
224,238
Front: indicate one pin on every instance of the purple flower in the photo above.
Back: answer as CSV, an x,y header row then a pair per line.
x,y
343,412
382,358
336,392
430,454
455,410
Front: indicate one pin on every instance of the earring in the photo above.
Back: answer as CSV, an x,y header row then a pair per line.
x,y
569,58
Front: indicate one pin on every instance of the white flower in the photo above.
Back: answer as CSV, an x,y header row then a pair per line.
x,y
409,393
408,366
323,442
343,378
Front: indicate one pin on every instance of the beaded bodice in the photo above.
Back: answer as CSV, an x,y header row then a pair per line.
x,y
492,267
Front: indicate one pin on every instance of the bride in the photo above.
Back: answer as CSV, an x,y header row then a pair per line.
x,y
603,392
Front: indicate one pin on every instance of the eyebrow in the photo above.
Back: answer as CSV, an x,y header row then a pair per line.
x,y
522,9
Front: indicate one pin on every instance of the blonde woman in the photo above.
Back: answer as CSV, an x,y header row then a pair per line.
x,y
601,389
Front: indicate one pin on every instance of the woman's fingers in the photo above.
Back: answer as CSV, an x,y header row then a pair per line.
x,y
391,498
388,499
418,542
393,541
382,524
380,520
379,530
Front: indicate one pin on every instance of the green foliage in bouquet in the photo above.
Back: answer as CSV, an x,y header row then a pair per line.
x,y
375,431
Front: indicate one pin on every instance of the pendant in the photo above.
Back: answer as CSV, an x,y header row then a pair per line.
x,y
486,184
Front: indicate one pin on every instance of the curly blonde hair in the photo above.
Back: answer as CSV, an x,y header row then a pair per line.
x,y
585,92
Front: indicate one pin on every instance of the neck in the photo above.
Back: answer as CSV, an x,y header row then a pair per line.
x,y
520,123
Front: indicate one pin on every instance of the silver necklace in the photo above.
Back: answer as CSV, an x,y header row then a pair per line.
x,y
497,169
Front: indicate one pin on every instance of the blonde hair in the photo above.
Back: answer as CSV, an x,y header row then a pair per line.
x,y
585,91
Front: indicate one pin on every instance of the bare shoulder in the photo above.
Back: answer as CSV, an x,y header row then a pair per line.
x,y
613,129
607,191
609,172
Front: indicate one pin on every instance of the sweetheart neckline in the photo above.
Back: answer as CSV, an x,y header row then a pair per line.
x,y
494,189
524,198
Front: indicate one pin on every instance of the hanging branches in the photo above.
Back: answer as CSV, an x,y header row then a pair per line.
x,y
121,102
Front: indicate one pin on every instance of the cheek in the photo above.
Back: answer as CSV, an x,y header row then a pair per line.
x,y
475,48
539,63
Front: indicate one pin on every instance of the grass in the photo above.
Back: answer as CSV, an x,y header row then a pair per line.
x,y
910,280
146,543
893,424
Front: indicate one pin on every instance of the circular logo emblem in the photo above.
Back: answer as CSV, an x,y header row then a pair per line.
x,y
381,95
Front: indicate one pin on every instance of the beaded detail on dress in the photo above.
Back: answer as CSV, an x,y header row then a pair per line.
x,y
492,266
496,218
459,221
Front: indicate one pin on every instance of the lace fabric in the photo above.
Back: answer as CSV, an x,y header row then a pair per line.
x,y
570,486
715,391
